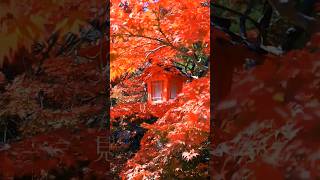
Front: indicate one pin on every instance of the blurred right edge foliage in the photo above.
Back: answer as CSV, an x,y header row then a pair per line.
x,y
268,25
269,123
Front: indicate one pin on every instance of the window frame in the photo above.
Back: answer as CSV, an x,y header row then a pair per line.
x,y
153,84
173,85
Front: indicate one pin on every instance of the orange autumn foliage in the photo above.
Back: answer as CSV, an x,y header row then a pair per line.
x,y
145,35
181,132
154,29
272,126
24,22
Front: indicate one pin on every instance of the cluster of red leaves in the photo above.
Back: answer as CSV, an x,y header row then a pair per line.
x,y
154,29
177,138
52,107
140,110
68,96
272,126
159,66
128,91
55,154
25,21
46,104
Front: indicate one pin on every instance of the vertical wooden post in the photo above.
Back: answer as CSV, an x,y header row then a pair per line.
x,y
165,90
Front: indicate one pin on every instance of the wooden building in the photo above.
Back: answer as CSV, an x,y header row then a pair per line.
x,y
164,84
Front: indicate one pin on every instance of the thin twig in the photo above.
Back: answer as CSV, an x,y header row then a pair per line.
x,y
154,39
154,50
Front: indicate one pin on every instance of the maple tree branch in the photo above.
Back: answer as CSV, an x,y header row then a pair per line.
x,y
154,50
160,29
165,43
168,43
154,39
198,63
51,43
237,13
133,48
